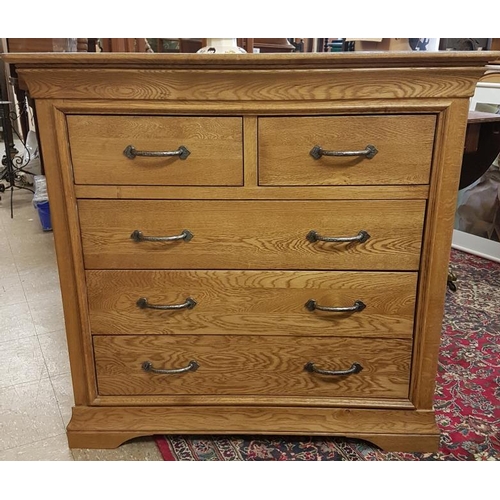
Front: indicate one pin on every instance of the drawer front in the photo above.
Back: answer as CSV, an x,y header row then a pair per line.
x,y
252,302
251,234
404,145
98,144
257,365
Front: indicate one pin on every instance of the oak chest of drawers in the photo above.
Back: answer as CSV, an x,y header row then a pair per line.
x,y
253,244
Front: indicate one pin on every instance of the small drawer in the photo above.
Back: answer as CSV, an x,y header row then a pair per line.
x,y
255,365
357,304
208,151
324,235
386,150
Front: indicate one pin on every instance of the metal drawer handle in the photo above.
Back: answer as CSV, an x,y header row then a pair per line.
x,y
355,368
147,366
369,152
144,304
312,305
182,152
185,235
361,237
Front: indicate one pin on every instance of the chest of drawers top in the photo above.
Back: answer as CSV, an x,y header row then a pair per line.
x,y
251,77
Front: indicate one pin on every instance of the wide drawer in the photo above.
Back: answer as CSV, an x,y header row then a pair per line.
x,y
256,365
98,145
251,234
404,145
252,302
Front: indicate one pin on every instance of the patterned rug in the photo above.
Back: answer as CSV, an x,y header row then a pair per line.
x,y
467,398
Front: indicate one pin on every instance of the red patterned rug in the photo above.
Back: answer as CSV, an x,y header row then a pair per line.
x,y
467,398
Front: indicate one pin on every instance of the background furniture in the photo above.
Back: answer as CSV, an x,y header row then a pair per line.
x,y
12,163
254,251
482,146
465,44
123,44
192,45
487,91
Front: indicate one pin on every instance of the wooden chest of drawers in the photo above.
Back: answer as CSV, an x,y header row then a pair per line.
x,y
253,244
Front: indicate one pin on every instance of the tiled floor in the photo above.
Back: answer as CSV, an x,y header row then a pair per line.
x,y
35,385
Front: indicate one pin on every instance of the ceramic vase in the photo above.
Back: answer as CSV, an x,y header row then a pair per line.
x,y
222,46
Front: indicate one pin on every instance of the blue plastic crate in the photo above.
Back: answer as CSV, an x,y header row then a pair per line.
x,y
44,214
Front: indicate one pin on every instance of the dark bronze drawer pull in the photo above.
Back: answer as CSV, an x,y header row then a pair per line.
x,y
182,152
312,305
355,368
144,304
147,366
361,237
185,235
369,152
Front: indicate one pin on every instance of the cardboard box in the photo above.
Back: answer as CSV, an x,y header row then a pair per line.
x,y
380,44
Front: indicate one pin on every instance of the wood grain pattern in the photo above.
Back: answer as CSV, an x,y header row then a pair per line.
x,y
250,420
151,107
87,384
252,302
98,142
262,85
436,251
68,250
390,442
250,151
251,192
251,235
255,400
246,230
100,440
404,144
239,365
345,60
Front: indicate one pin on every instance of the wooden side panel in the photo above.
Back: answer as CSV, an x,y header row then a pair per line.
x,y
403,142
98,144
251,235
68,247
241,365
252,302
436,251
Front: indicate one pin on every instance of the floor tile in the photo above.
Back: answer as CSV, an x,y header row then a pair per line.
x,y
32,253
55,352
51,449
28,413
22,205
40,283
11,290
16,322
30,245
22,201
7,263
21,361
63,390
139,449
47,314
25,221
